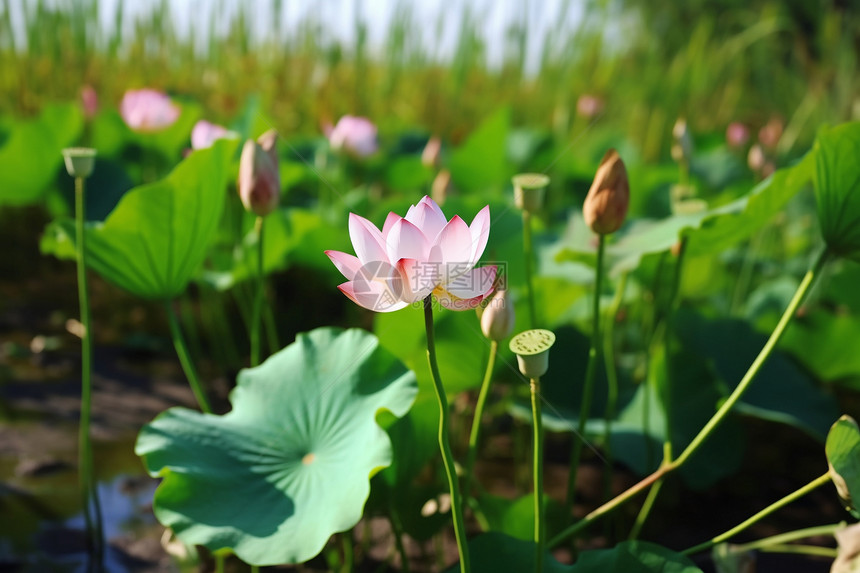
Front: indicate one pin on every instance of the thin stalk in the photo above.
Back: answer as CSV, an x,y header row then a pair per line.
x,y
348,552
783,538
771,343
814,550
89,492
646,509
258,296
816,483
255,569
397,529
590,372
476,420
220,559
185,359
528,251
705,432
534,385
444,443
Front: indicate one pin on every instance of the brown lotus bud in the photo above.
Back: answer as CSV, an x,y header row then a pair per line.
x,y
259,177
497,320
606,205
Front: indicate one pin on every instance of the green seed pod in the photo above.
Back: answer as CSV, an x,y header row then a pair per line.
x,y
532,350
80,161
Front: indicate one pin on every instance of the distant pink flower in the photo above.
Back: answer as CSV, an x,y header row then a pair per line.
x,y
89,101
415,256
588,105
737,134
148,110
770,134
204,134
354,135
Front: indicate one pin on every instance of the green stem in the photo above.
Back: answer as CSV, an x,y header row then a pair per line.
x,y
185,359
771,343
814,550
705,432
534,385
590,372
476,420
255,569
220,559
783,538
444,442
89,491
817,482
529,261
646,509
397,529
348,552
258,296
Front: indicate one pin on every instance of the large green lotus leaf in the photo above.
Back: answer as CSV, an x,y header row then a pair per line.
x,y
498,552
837,188
32,154
480,163
781,392
843,456
822,342
157,236
708,232
290,464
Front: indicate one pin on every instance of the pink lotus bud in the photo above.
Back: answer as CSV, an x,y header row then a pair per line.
x,y
606,204
770,134
204,134
588,106
148,110
259,177
737,134
89,101
497,320
354,135
431,154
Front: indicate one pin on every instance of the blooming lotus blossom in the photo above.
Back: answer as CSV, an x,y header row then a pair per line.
x,y
354,135
148,110
415,256
205,133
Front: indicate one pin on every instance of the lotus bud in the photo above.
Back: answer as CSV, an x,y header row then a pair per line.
x,y
770,134
606,204
737,134
441,187
589,106
756,158
497,320
80,161
529,191
532,350
432,153
259,178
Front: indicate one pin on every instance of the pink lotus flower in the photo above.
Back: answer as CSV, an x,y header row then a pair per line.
x,y
737,134
354,135
415,256
148,110
205,133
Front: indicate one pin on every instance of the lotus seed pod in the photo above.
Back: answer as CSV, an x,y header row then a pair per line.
x,y
532,350
259,177
606,204
497,320
529,191
80,161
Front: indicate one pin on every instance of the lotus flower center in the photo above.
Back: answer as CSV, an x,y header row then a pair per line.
x,y
308,458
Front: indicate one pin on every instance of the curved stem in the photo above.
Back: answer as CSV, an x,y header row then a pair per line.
x,y
588,388
783,538
185,359
528,250
476,420
89,491
444,443
817,482
771,343
258,296
802,291
534,385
